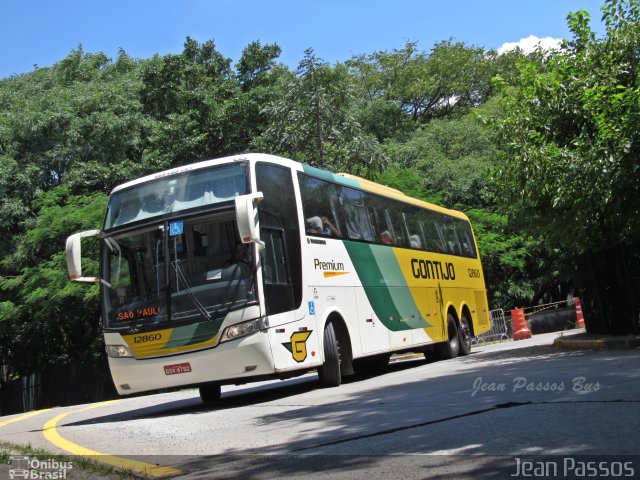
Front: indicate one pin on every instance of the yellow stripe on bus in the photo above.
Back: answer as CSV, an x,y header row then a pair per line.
x,y
51,434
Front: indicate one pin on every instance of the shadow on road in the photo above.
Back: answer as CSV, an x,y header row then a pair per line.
x,y
438,409
253,395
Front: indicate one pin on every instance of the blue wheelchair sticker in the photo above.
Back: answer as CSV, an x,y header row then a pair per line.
x,y
176,228
312,309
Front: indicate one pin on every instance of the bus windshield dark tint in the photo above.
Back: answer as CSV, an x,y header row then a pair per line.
x,y
180,192
156,278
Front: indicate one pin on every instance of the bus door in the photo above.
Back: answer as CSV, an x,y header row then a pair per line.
x,y
404,318
437,331
440,317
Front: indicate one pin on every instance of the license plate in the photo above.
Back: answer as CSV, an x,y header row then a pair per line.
x,y
177,368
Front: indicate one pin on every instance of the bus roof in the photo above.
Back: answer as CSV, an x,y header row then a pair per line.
x,y
345,179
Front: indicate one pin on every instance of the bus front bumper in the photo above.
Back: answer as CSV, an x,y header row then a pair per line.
x,y
236,359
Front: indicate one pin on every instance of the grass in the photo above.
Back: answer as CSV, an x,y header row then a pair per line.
x,y
87,465
4,457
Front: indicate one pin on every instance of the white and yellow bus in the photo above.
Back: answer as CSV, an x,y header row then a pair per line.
x,y
255,266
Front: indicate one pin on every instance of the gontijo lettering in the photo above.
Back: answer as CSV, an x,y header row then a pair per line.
x,y
433,269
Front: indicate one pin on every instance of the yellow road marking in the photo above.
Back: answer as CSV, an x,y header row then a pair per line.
x,y
23,417
51,434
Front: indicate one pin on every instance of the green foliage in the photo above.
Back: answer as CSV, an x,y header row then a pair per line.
x,y
506,257
44,318
452,157
563,152
406,86
313,121
572,129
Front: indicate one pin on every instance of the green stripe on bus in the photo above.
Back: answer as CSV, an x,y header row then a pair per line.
x,y
389,297
398,288
328,176
194,333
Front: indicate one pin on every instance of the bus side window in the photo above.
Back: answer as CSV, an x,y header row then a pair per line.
x,y
431,222
274,270
463,230
356,215
414,228
320,206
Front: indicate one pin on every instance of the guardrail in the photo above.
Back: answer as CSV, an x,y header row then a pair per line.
x,y
499,330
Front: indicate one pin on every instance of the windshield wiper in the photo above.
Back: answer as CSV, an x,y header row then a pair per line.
x,y
187,288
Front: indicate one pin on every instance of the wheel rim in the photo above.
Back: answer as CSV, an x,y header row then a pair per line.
x,y
465,331
453,335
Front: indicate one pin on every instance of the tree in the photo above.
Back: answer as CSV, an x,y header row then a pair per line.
x,y
572,128
258,76
44,318
313,120
453,158
185,96
409,85
572,131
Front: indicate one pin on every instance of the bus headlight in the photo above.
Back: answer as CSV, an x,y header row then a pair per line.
x,y
244,329
118,351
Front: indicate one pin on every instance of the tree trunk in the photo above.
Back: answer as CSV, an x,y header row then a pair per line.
x,y
610,289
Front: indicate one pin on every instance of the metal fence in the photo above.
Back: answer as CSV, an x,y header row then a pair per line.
x,y
500,329
59,385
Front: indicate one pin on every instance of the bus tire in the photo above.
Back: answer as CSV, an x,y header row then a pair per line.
x,y
329,372
210,393
450,349
465,335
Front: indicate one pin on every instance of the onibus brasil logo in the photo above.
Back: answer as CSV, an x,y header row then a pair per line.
x,y
37,468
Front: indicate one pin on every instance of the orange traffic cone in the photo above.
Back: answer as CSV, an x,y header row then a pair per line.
x,y
520,328
579,316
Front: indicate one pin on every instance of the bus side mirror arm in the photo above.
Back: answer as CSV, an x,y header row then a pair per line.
x,y
247,218
74,257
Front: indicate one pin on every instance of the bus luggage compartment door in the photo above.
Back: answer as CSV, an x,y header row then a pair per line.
x,y
374,335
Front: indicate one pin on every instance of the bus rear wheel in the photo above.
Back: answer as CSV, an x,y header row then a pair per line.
x,y
210,393
329,372
465,336
450,349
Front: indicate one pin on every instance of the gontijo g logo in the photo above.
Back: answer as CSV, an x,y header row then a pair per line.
x,y
298,345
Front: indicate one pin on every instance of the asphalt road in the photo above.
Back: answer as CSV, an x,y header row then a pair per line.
x,y
502,412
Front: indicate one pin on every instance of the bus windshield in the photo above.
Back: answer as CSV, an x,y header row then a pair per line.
x,y
175,193
153,278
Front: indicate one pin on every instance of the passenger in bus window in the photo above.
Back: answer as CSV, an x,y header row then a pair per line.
x,y
329,228
321,226
385,237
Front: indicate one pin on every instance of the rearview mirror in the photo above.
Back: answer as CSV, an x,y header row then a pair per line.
x,y
247,217
74,257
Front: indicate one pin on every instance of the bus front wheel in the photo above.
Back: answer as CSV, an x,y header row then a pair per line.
x,y
329,372
450,349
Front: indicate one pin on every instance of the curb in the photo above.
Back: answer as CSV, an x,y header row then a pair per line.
x,y
586,341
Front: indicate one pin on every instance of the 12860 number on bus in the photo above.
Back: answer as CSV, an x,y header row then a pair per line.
x,y
152,337
474,272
